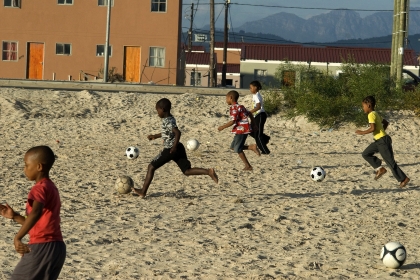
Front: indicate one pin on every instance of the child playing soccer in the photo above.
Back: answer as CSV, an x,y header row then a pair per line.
x,y
44,255
260,117
382,144
241,127
172,149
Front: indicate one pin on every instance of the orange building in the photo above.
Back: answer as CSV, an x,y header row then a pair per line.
x,y
65,40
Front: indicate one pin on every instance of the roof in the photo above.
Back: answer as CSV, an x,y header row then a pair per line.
x,y
235,45
322,54
193,48
198,58
230,68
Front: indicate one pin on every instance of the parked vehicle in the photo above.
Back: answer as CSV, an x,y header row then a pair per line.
x,y
410,80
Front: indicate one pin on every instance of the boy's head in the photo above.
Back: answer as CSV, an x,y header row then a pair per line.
x,y
163,107
38,162
368,104
255,86
232,97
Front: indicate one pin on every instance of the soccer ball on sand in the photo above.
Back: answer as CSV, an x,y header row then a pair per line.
x,y
318,174
132,152
393,255
124,184
192,144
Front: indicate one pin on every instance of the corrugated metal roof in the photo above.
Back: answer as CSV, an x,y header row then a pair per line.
x,y
239,45
198,58
230,68
322,54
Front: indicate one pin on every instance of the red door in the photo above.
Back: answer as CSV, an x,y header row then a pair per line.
x,y
35,61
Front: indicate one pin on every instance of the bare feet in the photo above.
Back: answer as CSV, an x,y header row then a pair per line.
x,y
255,149
213,175
404,183
139,192
248,168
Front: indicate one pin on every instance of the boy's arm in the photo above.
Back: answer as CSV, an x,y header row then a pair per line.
x,y
257,107
220,128
7,212
29,222
154,136
177,133
369,130
385,123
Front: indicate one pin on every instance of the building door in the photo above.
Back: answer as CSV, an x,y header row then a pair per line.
x,y
35,63
132,64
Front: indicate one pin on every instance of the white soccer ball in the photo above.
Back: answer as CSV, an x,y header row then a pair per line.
x,y
393,255
318,174
132,152
124,184
192,144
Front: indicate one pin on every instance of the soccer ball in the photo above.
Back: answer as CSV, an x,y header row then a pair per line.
x,y
318,174
192,144
132,152
393,255
124,184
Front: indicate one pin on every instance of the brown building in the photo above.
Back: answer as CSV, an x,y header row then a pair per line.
x,y
65,39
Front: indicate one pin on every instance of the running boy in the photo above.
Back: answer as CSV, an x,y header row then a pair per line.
x,y
44,256
260,117
382,144
241,127
172,149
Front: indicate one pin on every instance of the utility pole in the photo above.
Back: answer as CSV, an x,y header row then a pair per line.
x,y
401,35
225,43
108,17
394,38
211,66
191,27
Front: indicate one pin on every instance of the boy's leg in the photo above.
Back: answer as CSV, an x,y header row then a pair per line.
x,y
202,171
245,161
369,155
261,139
387,153
252,147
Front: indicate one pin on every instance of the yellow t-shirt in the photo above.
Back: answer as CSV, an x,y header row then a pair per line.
x,y
379,131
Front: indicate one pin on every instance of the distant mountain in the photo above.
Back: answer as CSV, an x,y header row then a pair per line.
x,y
330,27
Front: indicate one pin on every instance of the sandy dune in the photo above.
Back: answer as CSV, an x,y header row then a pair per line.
x,y
273,222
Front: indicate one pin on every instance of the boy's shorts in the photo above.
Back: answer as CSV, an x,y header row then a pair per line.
x,y
180,158
238,142
43,262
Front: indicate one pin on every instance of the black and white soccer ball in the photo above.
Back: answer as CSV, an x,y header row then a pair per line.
x,y
124,184
132,152
393,255
318,174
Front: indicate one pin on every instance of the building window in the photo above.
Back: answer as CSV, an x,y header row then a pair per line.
x,y
63,49
157,57
159,6
100,50
10,51
195,78
105,2
12,3
65,2
260,74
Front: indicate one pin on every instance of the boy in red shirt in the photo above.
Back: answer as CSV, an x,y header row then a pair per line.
x,y
44,256
241,128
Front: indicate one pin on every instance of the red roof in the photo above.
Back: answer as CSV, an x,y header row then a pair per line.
x,y
193,48
239,45
230,68
322,54
198,58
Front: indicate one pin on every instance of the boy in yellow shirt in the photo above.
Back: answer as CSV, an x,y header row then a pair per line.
x,y
382,144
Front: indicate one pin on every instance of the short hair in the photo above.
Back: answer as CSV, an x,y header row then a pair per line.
x,y
44,154
234,94
164,104
370,100
256,84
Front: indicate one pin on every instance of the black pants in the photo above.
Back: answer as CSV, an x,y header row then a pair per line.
x,y
384,147
260,138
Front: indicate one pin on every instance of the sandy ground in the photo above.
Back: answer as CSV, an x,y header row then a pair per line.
x,y
274,222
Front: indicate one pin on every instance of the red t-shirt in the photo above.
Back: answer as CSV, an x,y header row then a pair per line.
x,y
239,114
47,228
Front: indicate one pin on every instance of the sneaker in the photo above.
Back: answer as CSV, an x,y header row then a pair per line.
x,y
380,172
404,183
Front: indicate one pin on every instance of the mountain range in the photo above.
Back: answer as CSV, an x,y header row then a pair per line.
x,y
329,27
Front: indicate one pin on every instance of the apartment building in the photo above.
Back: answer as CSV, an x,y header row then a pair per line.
x,y
65,40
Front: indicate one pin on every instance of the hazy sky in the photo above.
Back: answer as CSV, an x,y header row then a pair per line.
x,y
304,8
